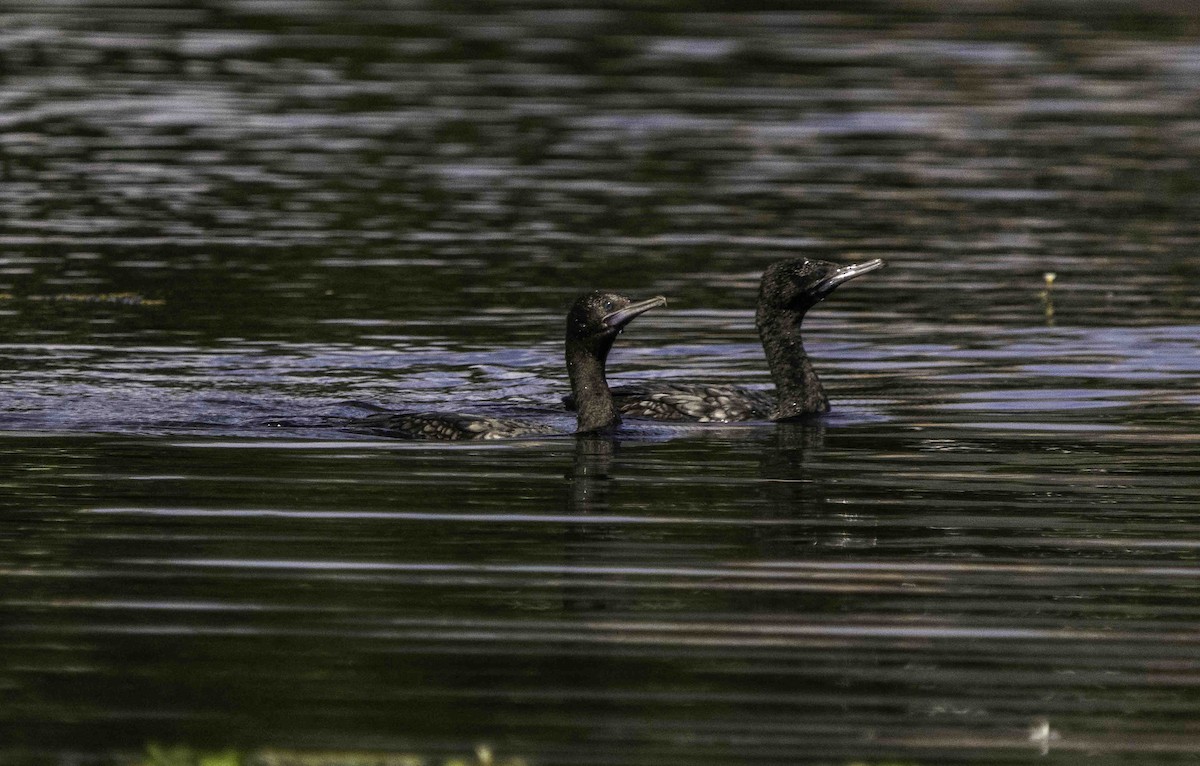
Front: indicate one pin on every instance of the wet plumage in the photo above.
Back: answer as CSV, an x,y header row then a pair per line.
x,y
449,426
593,324
672,401
787,291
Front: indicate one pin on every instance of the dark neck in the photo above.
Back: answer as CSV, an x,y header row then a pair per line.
x,y
797,389
593,400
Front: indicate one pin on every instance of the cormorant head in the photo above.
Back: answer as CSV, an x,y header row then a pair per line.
x,y
801,283
597,318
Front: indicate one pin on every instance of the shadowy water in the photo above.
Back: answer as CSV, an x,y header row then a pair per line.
x,y
227,228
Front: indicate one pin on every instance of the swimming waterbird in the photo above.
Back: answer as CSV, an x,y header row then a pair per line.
x,y
593,324
787,291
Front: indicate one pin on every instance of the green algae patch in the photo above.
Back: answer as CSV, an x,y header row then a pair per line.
x,y
123,299
157,755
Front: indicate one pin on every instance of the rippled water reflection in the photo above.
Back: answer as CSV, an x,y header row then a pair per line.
x,y
226,230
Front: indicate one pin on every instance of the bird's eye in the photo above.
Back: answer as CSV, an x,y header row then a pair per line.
x,y
609,305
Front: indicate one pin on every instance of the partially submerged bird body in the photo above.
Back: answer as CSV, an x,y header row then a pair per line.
x,y
684,402
787,291
450,426
593,324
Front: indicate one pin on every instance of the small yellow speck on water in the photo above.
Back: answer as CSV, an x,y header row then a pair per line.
x,y
484,754
1049,276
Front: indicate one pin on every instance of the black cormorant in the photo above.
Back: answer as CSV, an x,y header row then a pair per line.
x,y
787,291
593,323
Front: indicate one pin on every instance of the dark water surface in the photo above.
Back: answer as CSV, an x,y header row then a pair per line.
x,y
225,228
